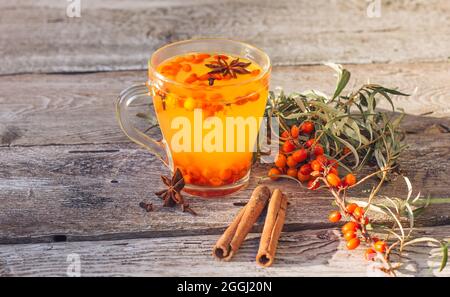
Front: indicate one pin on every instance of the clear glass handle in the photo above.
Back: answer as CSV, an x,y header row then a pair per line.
x,y
123,103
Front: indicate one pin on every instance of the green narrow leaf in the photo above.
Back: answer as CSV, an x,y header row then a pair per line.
x,y
342,83
347,144
395,92
422,239
343,78
444,256
385,95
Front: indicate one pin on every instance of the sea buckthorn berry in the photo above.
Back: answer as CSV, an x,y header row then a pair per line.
x,y
285,134
318,150
191,78
310,142
203,56
322,160
189,58
353,243
240,100
208,172
303,177
316,166
189,104
333,180
166,68
333,163
186,67
216,97
292,172
197,60
273,173
333,170
370,254
216,76
313,184
307,127
218,107
223,57
227,77
176,66
346,151
253,96
305,169
295,131
179,59
300,155
351,207
380,246
358,212
193,172
350,179
288,146
203,77
291,163
349,235
350,226
187,178
315,173
205,105
335,216
199,95
255,72
215,181
366,221
225,174
280,161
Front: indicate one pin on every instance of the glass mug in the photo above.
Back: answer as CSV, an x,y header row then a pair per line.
x,y
209,130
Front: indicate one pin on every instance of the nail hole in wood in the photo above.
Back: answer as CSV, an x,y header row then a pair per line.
x,y
59,238
114,181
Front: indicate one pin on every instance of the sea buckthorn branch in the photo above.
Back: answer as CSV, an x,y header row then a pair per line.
x,y
320,134
356,214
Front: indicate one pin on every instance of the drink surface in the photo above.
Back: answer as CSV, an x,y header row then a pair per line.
x,y
222,95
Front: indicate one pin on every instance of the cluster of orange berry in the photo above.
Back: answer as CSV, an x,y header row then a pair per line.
x,y
302,158
350,230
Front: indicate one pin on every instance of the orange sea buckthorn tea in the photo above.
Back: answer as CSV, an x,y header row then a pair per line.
x,y
209,96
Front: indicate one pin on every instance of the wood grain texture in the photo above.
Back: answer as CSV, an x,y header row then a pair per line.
x,y
301,253
79,108
37,36
92,192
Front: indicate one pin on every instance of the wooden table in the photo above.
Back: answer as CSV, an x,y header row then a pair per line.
x,y
71,182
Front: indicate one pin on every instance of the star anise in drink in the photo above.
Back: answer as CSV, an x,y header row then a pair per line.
x,y
222,67
172,195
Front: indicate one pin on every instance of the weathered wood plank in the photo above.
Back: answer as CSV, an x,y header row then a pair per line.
x,y
79,109
304,253
92,193
37,36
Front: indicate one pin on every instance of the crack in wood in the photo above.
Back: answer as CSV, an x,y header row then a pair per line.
x,y
93,151
325,234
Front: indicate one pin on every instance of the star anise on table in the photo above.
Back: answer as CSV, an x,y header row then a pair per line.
x,y
172,195
222,67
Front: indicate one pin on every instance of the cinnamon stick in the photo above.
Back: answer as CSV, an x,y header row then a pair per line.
x,y
273,225
228,244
